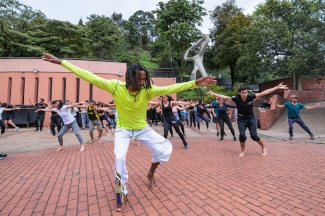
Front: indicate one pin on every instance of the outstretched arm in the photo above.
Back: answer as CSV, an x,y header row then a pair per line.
x,y
268,91
278,105
72,105
312,107
219,95
104,84
31,102
203,81
45,110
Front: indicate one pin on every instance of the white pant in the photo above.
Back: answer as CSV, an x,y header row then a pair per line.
x,y
160,148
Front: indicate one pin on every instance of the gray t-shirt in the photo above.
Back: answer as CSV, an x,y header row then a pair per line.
x,y
65,115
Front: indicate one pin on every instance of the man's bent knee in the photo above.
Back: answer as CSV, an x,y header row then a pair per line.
x,y
242,138
256,138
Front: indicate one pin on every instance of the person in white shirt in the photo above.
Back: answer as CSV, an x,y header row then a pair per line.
x,y
68,121
2,125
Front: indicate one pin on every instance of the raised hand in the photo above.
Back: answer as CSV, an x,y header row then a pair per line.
x,y
281,86
51,58
204,81
210,93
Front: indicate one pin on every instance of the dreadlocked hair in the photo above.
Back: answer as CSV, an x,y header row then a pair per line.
x,y
133,72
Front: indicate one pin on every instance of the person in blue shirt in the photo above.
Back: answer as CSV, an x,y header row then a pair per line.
x,y
215,119
293,108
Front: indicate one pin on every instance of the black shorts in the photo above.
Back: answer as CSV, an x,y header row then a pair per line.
x,y
102,118
215,119
9,117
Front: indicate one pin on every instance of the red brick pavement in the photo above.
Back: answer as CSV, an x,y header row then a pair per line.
x,y
207,179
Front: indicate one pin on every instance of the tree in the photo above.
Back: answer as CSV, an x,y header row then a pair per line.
x,y
230,43
177,22
15,22
103,37
221,16
144,25
287,39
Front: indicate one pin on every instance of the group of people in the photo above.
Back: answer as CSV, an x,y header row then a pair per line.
x,y
131,99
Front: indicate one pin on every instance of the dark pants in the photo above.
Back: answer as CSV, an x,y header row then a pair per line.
x,y
291,121
56,120
251,125
198,117
41,119
2,125
192,118
221,121
172,121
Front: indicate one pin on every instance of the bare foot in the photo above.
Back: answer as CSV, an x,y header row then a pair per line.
x,y
152,181
60,149
90,142
108,134
99,141
263,152
242,154
82,148
208,129
2,135
120,207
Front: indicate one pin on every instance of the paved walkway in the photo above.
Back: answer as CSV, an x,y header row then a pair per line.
x,y
207,179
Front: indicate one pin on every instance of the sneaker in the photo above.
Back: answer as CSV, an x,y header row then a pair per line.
x,y
261,108
40,130
1,158
185,147
6,130
184,135
218,133
3,155
16,129
312,137
221,140
235,139
290,137
48,131
171,137
36,130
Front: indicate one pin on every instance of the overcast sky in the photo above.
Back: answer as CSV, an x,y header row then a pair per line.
x,y
73,10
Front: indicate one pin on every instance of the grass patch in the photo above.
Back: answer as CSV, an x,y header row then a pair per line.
x,y
145,59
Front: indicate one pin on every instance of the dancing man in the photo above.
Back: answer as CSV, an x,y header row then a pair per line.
x,y
246,119
293,108
40,115
131,99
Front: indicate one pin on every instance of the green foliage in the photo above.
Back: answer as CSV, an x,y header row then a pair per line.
x,y
103,37
213,88
145,59
177,22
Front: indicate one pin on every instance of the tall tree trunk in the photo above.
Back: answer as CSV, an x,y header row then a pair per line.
x,y
232,74
299,80
293,80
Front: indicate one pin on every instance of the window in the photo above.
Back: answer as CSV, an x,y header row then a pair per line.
x,y
77,89
36,89
90,92
64,89
22,94
9,90
50,88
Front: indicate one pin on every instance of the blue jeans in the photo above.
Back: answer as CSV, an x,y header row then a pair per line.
x,y
251,125
291,121
84,119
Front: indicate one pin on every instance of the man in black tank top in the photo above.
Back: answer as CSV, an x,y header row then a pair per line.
x,y
246,119
94,121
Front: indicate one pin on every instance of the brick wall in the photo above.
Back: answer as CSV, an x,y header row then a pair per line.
x,y
306,96
269,116
307,84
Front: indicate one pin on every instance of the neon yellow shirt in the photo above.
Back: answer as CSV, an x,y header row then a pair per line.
x,y
131,114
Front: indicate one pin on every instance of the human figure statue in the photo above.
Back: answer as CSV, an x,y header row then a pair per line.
x,y
198,58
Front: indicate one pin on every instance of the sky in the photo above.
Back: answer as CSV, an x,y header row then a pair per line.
x,y
73,10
